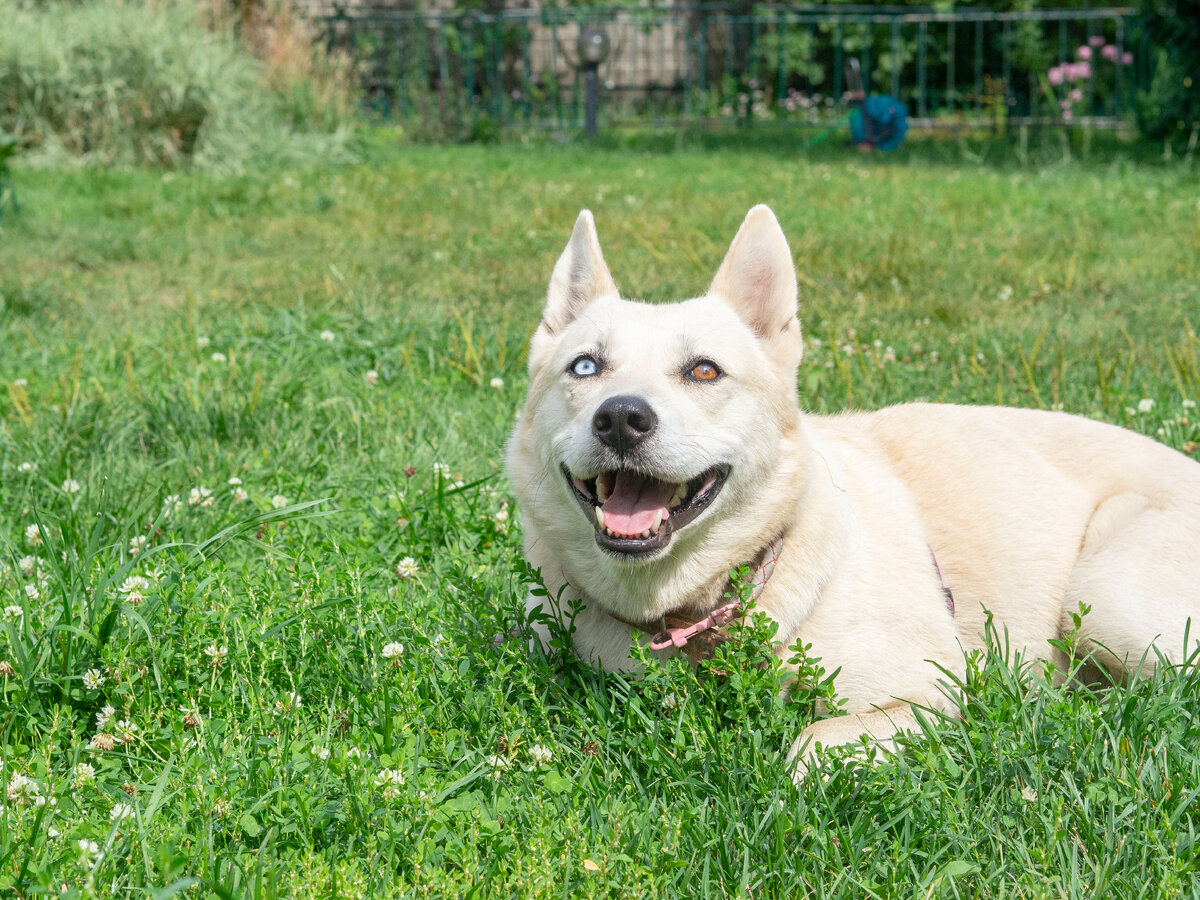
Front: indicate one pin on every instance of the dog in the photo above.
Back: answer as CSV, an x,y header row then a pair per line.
x,y
662,446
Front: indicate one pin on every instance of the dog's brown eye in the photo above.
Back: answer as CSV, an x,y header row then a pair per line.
x,y
705,371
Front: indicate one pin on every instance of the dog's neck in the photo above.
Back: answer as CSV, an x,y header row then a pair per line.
x,y
699,636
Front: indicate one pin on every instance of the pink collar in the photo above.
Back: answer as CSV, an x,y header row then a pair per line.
x,y
676,630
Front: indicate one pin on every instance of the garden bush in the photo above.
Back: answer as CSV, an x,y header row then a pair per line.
x,y
132,83
1169,109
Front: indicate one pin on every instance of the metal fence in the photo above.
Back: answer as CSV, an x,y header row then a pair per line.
x,y
449,74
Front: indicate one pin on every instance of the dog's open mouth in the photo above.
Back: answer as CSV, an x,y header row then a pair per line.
x,y
634,514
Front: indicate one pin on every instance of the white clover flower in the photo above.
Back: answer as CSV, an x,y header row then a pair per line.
x,y
498,764
354,753
320,752
372,378
240,496
202,341
541,755
1189,404
670,703
215,654
327,335
441,470
201,496
22,790
1145,405
172,504
389,776
93,679
391,780
125,731
290,701
406,568
234,481
32,592
26,468
501,515
119,812
88,851
393,650
27,564
13,612
84,773
219,357
1005,293
137,544
102,717
71,486
133,590
279,501
33,535
497,383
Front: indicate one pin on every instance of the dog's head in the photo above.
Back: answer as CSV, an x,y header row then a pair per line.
x,y
651,431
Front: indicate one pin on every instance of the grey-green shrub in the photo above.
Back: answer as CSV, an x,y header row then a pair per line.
x,y
121,82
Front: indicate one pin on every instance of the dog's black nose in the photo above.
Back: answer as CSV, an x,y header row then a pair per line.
x,y
624,422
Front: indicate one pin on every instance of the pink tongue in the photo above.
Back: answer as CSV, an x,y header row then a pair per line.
x,y
630,508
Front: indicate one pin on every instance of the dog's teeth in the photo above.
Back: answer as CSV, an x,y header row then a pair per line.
x,y
645,534
680,493
600,519
658,517
602,489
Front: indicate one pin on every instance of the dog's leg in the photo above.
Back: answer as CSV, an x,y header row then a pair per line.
x,y
880,726
1139,572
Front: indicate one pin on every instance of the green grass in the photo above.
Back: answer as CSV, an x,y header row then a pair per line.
x,y
160,333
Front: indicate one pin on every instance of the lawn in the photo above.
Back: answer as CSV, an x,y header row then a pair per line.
x,y
256,545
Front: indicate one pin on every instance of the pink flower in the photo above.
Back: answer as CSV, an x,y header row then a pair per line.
x,y
1056,75
1127,58
1096,40
1110,52
1066,115
1084,52
1083,70
1075,96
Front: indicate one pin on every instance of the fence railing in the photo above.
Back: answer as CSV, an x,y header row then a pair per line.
x,y
451,73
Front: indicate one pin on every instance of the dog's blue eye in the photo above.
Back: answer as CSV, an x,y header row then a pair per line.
x,y
584,366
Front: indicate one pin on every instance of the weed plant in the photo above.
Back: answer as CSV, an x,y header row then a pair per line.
x,y
262,629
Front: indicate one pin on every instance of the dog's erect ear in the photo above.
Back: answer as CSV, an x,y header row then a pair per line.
x,y
580,276
757,276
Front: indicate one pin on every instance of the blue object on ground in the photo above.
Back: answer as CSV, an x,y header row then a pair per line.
x,y
889,122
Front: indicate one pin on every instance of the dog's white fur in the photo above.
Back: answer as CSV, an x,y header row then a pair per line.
x,y
1029,513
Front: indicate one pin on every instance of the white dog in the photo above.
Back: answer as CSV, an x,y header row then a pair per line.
x,y
662,446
